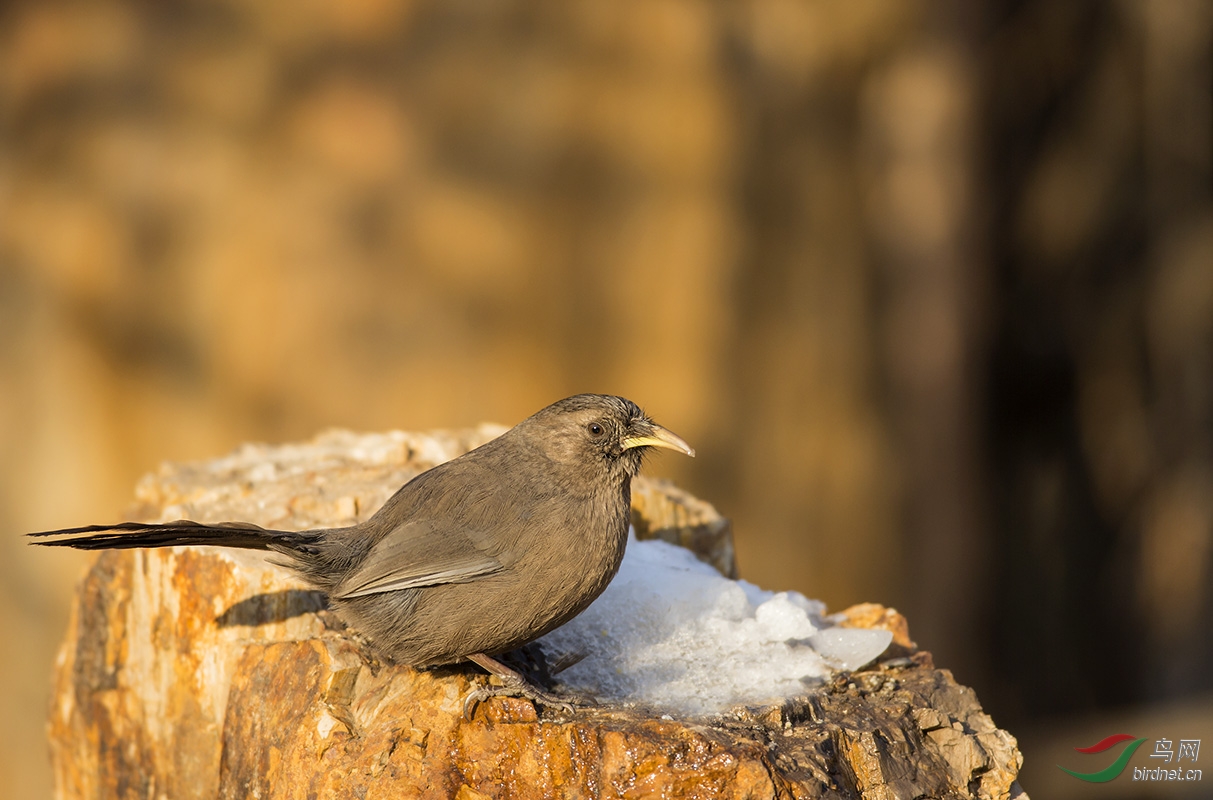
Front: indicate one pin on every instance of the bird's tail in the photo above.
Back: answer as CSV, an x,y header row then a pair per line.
x,y
127,535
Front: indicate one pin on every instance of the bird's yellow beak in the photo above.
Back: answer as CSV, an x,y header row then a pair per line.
x,y
657,436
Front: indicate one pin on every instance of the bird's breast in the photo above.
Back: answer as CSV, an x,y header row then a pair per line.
x,y
566,565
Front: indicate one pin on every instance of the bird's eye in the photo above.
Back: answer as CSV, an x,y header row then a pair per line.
x,y
595,429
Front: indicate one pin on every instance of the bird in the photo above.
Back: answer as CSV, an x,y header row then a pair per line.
x,y
472,558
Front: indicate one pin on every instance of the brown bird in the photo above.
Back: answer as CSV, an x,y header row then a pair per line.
x,y
472,558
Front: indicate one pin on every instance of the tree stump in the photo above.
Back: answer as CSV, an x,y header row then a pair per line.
x,y
203,673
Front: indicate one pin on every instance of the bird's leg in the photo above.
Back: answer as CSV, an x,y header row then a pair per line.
x,y
514,686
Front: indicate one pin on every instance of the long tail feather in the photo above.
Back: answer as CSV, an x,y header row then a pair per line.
x,y
125,535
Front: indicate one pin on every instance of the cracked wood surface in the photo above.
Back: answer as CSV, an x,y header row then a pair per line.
x,y
199,672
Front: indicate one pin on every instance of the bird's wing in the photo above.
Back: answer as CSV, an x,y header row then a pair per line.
x,y
418,554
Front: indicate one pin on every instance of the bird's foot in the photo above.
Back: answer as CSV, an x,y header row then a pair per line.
x,y
513,684
525,690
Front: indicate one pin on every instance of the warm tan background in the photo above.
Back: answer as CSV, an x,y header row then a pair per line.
x,y
928,285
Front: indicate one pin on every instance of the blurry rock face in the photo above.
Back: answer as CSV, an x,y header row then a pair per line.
x,y
199,672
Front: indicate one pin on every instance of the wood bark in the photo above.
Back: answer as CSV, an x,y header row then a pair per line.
x,y
201,673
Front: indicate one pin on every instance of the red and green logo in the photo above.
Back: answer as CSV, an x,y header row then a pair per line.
x,y
1113,769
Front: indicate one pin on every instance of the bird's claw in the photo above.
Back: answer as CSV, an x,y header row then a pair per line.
x,y
536,696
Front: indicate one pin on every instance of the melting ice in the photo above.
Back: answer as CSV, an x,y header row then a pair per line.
x,y
672,633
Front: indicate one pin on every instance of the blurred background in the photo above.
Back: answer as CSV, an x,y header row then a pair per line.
x,y
929,286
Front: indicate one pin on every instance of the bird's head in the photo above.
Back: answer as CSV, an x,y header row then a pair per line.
x,y
597,429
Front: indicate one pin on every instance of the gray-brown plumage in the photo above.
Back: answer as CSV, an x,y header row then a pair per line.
x,y
474,557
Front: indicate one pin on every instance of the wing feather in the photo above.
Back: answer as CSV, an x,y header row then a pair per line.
x,y
418,554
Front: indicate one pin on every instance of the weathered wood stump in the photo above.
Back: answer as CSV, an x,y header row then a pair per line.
x,y
199,672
